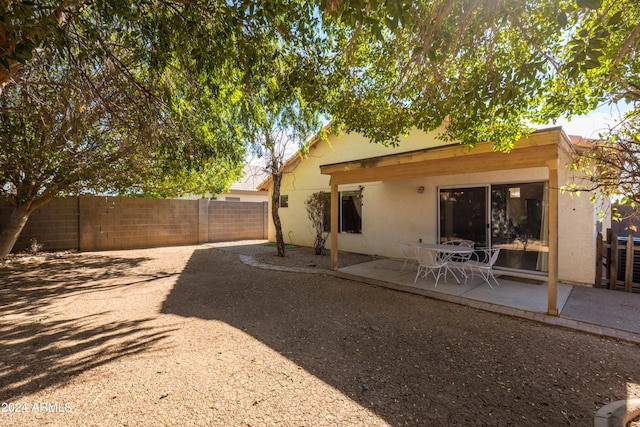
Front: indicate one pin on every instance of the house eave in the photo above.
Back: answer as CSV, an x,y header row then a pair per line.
x,y
536,150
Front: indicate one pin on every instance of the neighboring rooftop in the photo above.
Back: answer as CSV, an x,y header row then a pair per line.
x,y
252,176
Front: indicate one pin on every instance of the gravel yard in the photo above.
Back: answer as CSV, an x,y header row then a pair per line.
x,y
192,336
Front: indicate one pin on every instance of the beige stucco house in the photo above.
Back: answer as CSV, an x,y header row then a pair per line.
x,y
245,189
426,190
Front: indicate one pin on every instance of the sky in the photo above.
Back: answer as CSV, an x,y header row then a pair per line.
x,y
588,126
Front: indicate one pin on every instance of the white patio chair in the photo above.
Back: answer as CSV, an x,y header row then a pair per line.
x,y
481,262
408,253
461,242
429,261
457,261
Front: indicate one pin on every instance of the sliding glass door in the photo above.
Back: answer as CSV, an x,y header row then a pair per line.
x,y
463,214
520,225
513,217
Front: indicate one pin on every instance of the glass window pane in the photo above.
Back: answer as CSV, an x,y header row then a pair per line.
x,y
326,212
520,225
351,211
463,214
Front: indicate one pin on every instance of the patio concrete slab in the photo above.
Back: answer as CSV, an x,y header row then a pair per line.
x,y
382,269
449,286
520,295
510,293
615,309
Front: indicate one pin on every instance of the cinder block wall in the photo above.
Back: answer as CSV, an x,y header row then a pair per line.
x,y
55,225
236,221
95,223
108,223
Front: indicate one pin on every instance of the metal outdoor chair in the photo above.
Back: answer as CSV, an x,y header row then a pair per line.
x,y
481,262
429,261
408,253
457,260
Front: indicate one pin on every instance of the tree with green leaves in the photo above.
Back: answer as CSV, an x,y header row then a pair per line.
x,y
486,70
610,167
479,68
600,64
68,130
285,104
125,97
210,74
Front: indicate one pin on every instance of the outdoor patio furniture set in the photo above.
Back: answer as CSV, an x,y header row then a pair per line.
x,y
452,256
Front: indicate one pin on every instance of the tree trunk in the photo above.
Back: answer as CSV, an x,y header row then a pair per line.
x,y
275,215
11,231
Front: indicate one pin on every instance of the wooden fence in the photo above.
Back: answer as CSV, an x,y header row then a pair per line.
x,y
617,263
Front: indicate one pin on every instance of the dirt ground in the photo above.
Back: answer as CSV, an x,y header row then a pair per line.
x,y
297,256
192,336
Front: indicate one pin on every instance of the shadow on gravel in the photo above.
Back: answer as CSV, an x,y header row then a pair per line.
x,y
47,353
36,351
27,286
408,359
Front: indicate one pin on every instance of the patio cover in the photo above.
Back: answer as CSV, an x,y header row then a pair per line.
x,y
541,149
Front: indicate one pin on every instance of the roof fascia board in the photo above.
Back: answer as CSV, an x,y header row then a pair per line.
x,y
532,156
539,138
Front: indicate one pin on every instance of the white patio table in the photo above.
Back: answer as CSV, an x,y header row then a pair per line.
x,y
446,252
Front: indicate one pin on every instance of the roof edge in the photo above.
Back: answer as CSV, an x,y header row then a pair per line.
x,y
293,161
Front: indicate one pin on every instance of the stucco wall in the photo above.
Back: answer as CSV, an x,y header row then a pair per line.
x,y
394,210
306,179
244,196
578,225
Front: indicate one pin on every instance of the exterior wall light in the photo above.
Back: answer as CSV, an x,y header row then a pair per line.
x,y
421,189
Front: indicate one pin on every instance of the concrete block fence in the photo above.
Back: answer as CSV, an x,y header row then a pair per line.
x,y
97,223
